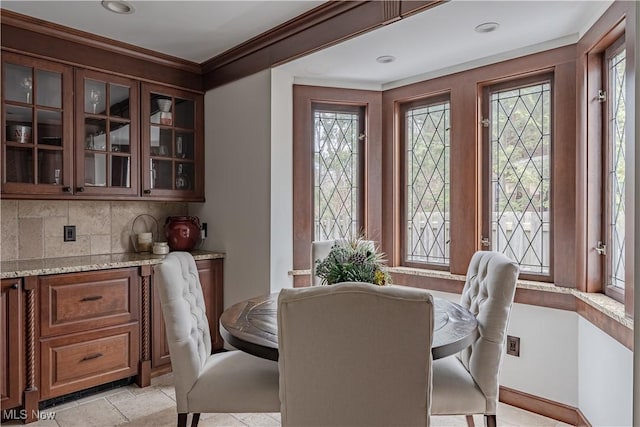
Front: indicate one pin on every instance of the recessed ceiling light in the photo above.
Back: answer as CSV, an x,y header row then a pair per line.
x,y
487,27
118,6
385,59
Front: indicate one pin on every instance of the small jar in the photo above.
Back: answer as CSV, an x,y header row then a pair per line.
x,y
160,248
145,242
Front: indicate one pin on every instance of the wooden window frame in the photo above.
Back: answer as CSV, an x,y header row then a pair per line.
x,y
304,98
360,111
487,90
613,49
591,62
403,109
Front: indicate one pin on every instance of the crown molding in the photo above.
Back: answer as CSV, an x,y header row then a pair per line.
x,y
323,26
39,26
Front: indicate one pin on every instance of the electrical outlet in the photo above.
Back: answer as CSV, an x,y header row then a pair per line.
x,y
513,346
69,233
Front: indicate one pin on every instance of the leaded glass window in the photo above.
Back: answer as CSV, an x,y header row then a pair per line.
x,y
615,169
427,145
520,175
338,139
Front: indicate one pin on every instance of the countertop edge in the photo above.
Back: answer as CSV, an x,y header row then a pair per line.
x,y
48,266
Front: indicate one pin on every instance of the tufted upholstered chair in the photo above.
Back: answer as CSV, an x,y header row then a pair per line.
x,y
467,383
355,354
320,250
223,382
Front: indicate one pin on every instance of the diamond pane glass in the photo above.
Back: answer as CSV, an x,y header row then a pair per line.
x,y
616,171
521,175
427,133
336,171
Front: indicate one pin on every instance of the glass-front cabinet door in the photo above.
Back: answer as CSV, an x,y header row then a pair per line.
x,y
106,134
37,115
172,143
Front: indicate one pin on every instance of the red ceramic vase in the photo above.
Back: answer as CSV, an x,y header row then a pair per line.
x,y
182,232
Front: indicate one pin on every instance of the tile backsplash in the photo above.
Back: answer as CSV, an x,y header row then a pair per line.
x,y
34,228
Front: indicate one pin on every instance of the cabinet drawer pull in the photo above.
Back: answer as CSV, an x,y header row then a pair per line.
x,y
93,298
91,357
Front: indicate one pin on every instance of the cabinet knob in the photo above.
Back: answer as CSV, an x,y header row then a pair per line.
x,y
66,189
147,191
80,189
15,286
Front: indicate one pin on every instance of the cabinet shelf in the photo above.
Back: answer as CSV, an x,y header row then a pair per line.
x,y
82,129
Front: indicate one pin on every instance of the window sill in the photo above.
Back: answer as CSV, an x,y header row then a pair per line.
x,y
600,302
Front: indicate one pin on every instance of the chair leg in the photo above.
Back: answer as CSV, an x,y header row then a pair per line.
x,y
195,419
470,422
490,420
182,420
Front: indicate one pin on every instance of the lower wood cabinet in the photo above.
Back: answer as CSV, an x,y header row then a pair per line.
x,y
77,361
211,278
64,333
89,329
11,344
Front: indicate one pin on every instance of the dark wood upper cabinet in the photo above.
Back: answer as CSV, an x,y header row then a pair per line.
x,y
37,127
172,143
107,136
74,133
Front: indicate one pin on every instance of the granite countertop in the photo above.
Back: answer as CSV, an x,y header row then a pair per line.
x,y
44,266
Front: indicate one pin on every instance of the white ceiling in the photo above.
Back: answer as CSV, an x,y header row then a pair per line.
x,y
192,30
439,40
442,40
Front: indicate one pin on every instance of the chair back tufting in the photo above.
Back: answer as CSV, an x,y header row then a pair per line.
x,y
183,308
355,354
488,293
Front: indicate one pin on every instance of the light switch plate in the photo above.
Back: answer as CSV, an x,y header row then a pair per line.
x,y
69,233
513,346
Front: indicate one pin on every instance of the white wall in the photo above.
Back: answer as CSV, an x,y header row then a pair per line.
x,y
237,183
547,366
636,292
548,362
281,179
566,359
606,377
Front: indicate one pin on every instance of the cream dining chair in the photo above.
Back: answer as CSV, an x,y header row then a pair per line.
x,y
231,381
355,354
467,383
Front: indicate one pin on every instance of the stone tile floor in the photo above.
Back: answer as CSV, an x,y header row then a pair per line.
x,y
155,406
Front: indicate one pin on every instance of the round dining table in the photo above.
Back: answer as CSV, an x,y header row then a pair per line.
x,y
252,326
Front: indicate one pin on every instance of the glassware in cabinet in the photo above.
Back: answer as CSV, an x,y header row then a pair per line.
x,y
172,143
37,116
107,134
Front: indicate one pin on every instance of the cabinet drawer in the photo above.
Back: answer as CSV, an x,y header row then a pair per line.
x,y
84,301
79,361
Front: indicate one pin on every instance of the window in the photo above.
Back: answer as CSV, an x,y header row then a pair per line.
x,y
613,245
518,179
426,139
338,171
337,179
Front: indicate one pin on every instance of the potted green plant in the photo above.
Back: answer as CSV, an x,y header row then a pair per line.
x,y
353,261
